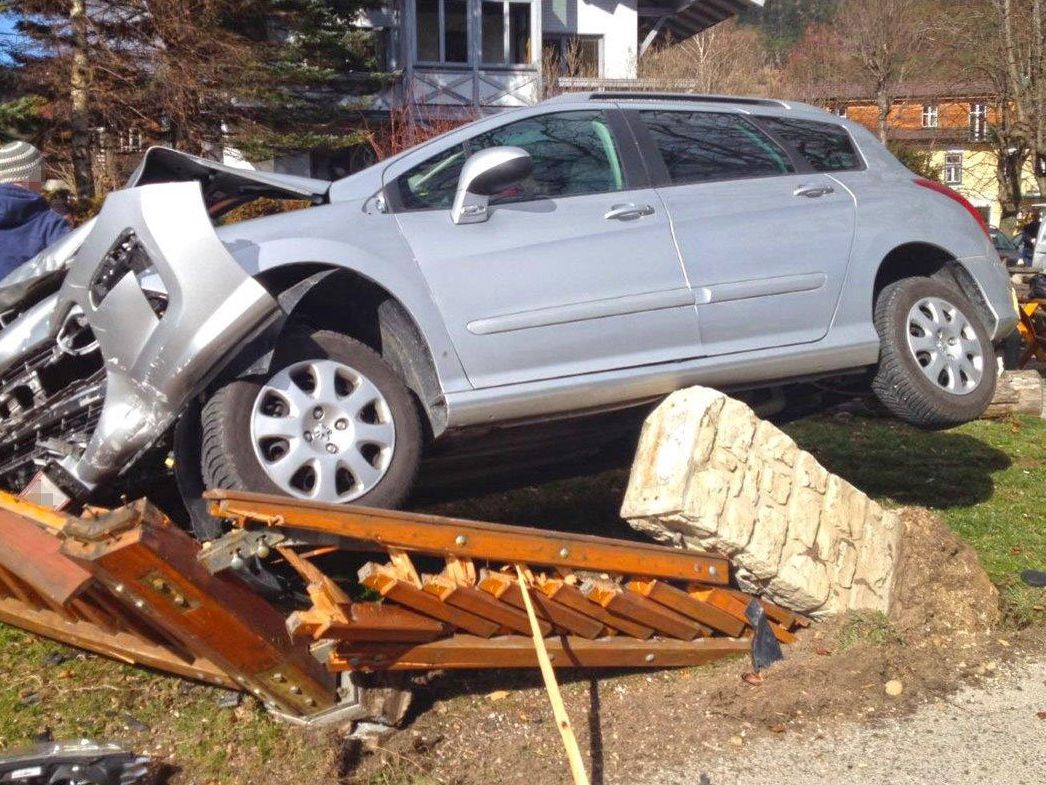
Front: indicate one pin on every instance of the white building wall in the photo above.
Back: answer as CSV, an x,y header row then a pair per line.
x,y
616,22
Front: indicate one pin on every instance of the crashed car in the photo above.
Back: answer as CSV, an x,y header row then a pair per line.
x,y
590,253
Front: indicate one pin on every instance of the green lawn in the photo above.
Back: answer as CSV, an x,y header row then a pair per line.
x,y
986,479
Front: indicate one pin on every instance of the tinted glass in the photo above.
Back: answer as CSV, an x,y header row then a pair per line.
x,y
455,38
573,154
703,146
825,146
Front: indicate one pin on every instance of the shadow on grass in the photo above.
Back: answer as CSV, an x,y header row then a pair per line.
x,y
889,460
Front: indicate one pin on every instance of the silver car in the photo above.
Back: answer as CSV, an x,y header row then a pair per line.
x,y
591,253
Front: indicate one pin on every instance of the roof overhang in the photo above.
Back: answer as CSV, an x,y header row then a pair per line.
x,y
684,18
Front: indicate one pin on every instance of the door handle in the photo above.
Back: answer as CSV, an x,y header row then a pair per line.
x,y
813,191
628,212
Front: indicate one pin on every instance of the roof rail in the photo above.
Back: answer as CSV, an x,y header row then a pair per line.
x,y
643,95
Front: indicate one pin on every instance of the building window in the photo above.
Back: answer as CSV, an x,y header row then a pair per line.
x,y
506,32
442,31
978,122
930,115
130,140
574,55
953,168
840,110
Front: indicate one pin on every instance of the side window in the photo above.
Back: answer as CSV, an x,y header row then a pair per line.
x,y
432,183
573,153
700,147
825,146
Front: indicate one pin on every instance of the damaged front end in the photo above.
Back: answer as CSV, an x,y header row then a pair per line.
x,y
109,334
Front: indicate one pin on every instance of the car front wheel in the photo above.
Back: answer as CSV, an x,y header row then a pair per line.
x,y
937,365
331,422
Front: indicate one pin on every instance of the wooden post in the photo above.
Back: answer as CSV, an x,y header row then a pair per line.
x,y
151,568
1017,392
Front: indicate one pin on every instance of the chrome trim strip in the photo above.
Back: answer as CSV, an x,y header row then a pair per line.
x,y
759,287
579,312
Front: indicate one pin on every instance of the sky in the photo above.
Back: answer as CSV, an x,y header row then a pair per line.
x,y
7,23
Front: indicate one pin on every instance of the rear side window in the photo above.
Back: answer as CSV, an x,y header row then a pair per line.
x,y
825,146
701,147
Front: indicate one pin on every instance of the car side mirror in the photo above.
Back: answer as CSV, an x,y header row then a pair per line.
x,y
485,174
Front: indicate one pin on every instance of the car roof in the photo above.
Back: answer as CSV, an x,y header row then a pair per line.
x,y
740,103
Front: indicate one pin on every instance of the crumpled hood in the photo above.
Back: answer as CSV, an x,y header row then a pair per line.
x,y
17,205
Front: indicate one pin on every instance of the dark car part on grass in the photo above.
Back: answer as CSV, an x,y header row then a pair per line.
x,y
73,763
130,584
1034,578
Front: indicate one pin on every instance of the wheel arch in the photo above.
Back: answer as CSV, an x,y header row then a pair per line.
x,y
349,302
929,260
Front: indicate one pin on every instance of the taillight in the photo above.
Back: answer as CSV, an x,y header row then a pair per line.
x,y
944,190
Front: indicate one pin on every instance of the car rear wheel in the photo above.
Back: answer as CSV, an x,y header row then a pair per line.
x,y
331,422
937,365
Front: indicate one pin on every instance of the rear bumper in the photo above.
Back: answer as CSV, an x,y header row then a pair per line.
x,y
996,294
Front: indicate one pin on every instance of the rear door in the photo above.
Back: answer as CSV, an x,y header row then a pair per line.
x,y
575,271
765,238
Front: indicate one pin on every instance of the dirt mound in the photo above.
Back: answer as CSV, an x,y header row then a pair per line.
x,y
940,585
467,731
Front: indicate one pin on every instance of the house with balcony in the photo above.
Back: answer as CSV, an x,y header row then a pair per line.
x,y
496,54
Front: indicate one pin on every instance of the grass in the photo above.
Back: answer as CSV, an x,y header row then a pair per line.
x,y
988,481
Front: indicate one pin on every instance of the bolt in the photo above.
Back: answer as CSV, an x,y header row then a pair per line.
x,y
341,424
296,690
317,413
263,551
460,540
139,604
564,552
332,448
159,584
649,658
118,588
179,600
278,677
310,702
236,562
712,570
308,436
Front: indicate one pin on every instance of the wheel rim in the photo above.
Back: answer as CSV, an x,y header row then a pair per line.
x,y
945,346
322,430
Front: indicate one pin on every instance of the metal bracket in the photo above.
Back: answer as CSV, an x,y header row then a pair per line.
x,y
232,550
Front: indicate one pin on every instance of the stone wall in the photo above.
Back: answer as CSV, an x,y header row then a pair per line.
x,y
710,475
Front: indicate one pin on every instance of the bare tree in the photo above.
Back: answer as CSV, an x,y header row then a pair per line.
x,y
727,58
1021,73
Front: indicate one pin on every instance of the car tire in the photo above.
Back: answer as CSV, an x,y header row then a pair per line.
x,y
937,365
358,414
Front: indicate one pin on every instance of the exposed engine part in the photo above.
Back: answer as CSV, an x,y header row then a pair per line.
x,y
50,402
85,762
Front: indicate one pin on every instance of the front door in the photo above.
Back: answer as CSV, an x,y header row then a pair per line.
x,y
575,271
765,244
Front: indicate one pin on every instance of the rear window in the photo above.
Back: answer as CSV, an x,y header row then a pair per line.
x,y
827,147
701,147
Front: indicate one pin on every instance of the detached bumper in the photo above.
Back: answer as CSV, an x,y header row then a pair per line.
x,y
155,358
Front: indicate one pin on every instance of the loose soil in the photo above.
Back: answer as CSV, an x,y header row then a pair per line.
x,y
482,727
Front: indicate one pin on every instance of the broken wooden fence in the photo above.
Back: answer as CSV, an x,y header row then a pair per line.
x,y
430,593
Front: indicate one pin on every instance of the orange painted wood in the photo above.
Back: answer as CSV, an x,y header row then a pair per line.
x,y
382,580
517,651
122,646
564,619
691,607
481,604
644,611
735,606
32,554
571,596
472,539
153,569
372,621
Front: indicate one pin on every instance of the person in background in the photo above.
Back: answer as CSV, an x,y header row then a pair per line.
x,y
27,223
1029,236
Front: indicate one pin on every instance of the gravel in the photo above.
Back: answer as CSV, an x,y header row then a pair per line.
x,y
986,733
